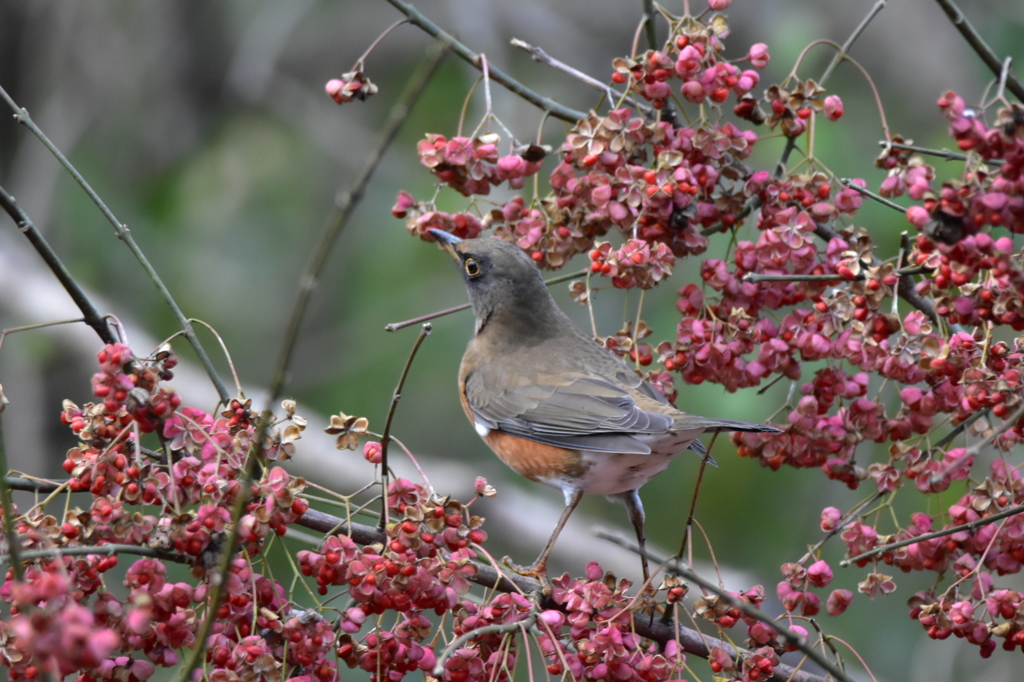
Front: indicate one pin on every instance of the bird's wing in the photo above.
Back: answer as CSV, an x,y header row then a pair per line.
x,y
585,411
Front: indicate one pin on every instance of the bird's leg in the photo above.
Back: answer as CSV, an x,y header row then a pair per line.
x,y
635,509
539,568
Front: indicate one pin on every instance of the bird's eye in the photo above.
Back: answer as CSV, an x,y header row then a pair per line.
x,y
472,267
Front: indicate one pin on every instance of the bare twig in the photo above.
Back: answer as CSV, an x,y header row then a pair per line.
x,y
945,154
973,451
218,580
979,45
122,232
493,629
539,55
847,182
416,18
395,326
30,484
845,49
649,28
345,202
385,439
693,501
761,277
905,288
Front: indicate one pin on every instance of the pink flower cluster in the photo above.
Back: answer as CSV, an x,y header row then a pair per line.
x,y
795,594
978,611
472,166
351,85
594,639
695,58
637,264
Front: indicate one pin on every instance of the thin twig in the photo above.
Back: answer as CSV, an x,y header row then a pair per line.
x,y
31,327
218,581
30,484
761,277
122,232
539,55
13,541
92,316
493,629
649,28
344,205
960,428
359,65
693,501
945,154
385,438
811,551
395,326
416,18
847,182
1012,511
845,49
979,45
973,451
905,288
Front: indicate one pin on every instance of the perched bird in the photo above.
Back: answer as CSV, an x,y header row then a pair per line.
x,y
554,405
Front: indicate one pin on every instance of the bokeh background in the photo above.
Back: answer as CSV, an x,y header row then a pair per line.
x,y
206,129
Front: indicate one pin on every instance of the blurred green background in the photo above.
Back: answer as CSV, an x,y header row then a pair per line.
x,y
205,128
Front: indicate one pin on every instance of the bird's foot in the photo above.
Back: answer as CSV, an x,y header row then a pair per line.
x,y
538,570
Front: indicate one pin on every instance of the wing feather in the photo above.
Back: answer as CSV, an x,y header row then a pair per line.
x,y
578,411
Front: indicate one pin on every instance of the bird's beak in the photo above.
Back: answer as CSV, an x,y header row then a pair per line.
x,y
447,240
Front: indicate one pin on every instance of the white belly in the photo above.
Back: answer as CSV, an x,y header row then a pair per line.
x,y
611,474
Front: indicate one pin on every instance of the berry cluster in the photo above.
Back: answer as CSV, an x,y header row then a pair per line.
x,y
637,264
695,58
472,166
592,637
64,616
351,85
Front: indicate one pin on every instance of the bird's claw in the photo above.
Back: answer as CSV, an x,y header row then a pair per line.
x,y
537,570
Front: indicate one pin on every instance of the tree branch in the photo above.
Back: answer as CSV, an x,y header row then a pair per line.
x,y
92,316
544,103
973,525
100,550
979,45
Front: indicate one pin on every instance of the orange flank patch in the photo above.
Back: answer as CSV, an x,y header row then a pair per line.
x,y
535,461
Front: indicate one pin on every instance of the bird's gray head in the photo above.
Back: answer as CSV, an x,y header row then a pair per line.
x,y
505,287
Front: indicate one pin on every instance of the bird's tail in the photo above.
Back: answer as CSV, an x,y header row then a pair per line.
x,y
690,421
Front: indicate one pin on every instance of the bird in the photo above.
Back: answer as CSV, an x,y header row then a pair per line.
x,y
553,404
